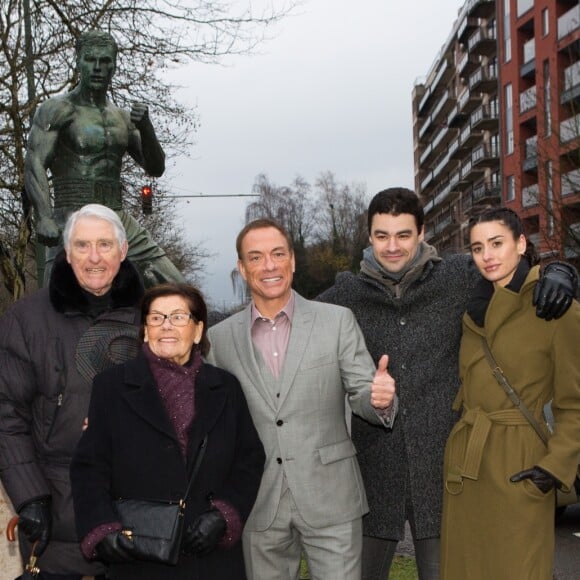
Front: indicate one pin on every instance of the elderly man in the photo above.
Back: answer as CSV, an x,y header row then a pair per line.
x,y
52,343
81,137
295,360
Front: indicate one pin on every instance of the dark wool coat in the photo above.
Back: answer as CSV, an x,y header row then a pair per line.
x,y
420,331
50,349
130,450
492,528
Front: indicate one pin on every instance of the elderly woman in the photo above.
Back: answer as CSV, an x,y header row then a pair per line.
x,y
147,420
500,476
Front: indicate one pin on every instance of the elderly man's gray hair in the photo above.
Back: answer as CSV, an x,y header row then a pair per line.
x,y
97,211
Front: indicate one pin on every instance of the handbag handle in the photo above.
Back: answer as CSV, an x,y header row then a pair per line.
x,y
511,393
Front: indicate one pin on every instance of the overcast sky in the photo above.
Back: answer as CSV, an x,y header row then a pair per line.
x,y
331,91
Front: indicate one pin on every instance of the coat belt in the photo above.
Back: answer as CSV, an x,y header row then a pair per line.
x,y
480,423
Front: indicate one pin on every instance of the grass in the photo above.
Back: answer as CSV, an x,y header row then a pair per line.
x,y
403,568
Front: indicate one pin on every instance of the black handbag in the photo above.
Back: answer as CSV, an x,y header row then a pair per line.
x,y
152,529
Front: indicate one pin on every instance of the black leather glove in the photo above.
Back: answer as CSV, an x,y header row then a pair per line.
x,y
555,290
543,480
110,549
201,537
35,522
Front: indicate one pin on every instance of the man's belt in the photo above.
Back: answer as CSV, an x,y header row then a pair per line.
x,y
74,193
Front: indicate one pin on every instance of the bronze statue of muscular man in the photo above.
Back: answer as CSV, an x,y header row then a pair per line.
x,y
81,137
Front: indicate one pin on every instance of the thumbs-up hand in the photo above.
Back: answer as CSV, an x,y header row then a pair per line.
x,y
383,387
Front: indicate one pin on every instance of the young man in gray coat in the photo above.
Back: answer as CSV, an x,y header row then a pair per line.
x,y
409,303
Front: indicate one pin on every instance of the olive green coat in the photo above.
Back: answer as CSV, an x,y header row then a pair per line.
x,y
492,528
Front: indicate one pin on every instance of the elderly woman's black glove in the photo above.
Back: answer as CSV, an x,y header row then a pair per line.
x,y
555,290
35,522
543,480
201,537
109,549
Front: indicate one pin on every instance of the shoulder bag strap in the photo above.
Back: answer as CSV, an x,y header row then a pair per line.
x,y
196,466
514,397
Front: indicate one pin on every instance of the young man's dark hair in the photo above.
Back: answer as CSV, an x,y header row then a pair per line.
x,y
397,200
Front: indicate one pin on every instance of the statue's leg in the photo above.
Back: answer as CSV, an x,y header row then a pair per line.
x,y
151,261
50,255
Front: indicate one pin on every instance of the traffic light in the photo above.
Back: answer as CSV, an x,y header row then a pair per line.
x,y
147,200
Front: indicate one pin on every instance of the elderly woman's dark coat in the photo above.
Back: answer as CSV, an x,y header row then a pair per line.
x,y
130,450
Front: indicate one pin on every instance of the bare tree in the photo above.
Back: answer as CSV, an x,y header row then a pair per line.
x,y
153,35
327,225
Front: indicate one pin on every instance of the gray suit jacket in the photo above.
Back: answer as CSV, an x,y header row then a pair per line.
x,y
302,426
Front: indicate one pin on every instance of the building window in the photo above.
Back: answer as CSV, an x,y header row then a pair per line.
x,y
545,22
510,188
507,40
509,119
547,107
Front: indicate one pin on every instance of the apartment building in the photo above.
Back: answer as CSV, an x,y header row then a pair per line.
x,y
496,121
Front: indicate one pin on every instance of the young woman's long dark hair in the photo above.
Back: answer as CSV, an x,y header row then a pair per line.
x,y
509,218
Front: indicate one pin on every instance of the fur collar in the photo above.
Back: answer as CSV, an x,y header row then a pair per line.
x,y
66,294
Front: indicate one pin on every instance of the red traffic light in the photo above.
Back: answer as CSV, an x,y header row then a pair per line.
x,y
147,200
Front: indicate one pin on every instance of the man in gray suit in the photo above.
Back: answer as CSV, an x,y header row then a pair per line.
x,y
295,360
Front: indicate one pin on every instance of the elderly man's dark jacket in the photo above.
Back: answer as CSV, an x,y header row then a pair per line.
x,y
131,450
51,346
420,330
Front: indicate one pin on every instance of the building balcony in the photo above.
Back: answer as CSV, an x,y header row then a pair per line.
x,y
484,79
528,99
441,164
523,7
528,68
467,26
572,244
483,193
426,154
530,195
436,86
443,223
468,101
570,182
456,117
571,92
443,106
441,137
426,180
469,172
530,162
485,155
467,64
426,127
468,137
483,41
569,22
444,73
485,118
480,8
570,129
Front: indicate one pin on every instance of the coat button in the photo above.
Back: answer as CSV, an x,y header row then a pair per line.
x,y
278,460
279,422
